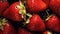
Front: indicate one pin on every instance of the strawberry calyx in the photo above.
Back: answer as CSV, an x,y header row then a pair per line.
x,y
28,19
48,17
24,1
29,15
2,23
22,10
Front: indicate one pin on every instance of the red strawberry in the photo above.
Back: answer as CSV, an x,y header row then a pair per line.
x,y
52,22
0,32
47,32
46,1
3,5
55,6
36,23
35,6
15,12
6,27
23,31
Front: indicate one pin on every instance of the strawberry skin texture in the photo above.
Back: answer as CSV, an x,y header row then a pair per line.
x,y
3,6
23,31
35,6
36,23
8,29
53,23
45,32
47,2
0,32
55,6
13,12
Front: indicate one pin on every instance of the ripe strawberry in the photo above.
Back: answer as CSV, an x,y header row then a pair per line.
x,y
3,5
47,32
52,23
0,32
36,23
6,27
35,6
46,1
55,6
23,31
15,12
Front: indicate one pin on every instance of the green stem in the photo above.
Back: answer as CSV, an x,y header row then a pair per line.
x,y
47,12
28,19
29,15
48,15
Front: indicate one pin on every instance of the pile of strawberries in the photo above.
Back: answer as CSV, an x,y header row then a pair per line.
x,y
29,16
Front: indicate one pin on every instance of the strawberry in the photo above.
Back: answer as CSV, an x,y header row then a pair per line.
x,y
0,32
46,1
6,27
23,31
52,23
4,4
36,6
15,12
55,6
35,23
47,32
